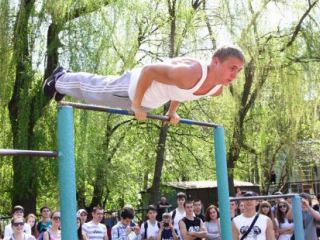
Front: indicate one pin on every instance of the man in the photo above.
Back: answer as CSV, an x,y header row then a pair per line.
x,y
233,209
177,80
178,213
45,222
167,232
261,230
124,230
317,208
197,209
191,227
150,228
309,216
94,229
162,207
17,212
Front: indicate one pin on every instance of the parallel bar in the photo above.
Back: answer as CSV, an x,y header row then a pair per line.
x,y
67,178
297,218
13,152
262,197
223,186
129,113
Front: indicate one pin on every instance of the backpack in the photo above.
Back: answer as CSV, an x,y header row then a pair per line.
x,y
146,228
174,212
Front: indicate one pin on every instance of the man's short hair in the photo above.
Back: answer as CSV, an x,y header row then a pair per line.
x,y
197,200
226,51
152,208
96,209
188,202
44,207
127,213
181,195
17,208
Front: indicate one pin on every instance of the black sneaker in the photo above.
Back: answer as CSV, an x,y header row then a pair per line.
x,y
49,85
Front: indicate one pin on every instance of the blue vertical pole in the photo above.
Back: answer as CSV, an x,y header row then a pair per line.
x,y
297,218
67,178
222,183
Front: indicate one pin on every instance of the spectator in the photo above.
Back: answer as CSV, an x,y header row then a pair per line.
x,y
94,229
317,208
82,214
191,227
241,207
250,225
54,232
31,219
167,231
17,225
80,233
45,222
162,207
309,216
197,209
178,213
17,212
212,223
123,229
284,225
150,228
265,209
233,209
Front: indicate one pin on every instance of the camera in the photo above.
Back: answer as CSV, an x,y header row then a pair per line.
x,y
166,224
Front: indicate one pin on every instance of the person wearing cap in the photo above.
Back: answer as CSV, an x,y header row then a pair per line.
x,y
178,213
262,229
17,225
17,211
167,231
82,214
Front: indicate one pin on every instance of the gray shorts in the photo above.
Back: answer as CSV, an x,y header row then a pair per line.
x,y
111,91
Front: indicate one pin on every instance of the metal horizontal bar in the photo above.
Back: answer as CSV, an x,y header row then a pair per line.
x,y
129,113
14,152
262,197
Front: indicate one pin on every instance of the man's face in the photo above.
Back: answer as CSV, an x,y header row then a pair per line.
x,y
152,215
163,200
45,213
126,221
250,204
227,70
197,207
98,215
189,208
233,206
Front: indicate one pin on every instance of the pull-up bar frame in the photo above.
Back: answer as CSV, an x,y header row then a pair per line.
x,y
32,153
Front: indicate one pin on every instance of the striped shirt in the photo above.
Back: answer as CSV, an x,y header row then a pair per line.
x,y
94,231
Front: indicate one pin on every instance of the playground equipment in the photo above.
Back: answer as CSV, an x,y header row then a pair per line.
x,y
67,180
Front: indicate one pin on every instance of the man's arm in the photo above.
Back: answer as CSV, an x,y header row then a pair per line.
x,y
313,212
269,230
203,231
172,112
184,232
235,232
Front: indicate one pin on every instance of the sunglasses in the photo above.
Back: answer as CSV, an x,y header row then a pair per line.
x,y
282,206
56,218
16,224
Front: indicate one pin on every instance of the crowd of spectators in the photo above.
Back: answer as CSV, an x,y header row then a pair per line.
x,y
251,219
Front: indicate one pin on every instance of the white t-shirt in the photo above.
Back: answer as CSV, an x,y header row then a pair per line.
x,y
25,237
286,224
178,216
258,231
8,230
152,230
94,231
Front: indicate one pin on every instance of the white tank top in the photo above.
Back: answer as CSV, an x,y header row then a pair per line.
x,y
159,93
258,232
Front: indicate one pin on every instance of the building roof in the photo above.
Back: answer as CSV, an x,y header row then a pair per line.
x,y
205,184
